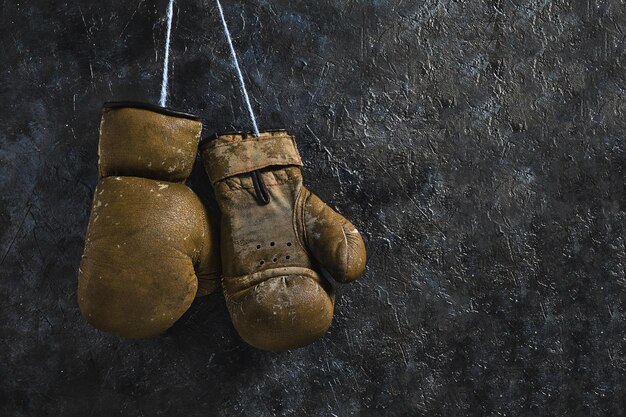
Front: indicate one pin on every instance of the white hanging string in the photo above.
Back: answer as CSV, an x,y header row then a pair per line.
x,y
242,84
166,59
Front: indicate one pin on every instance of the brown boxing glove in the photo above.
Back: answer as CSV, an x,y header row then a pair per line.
x,y
149,248
271,251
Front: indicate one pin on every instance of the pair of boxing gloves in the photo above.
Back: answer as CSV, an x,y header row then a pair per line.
x,y
151,246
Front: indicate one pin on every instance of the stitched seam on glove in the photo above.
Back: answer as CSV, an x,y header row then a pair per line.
x,y
196,261
344,267
248,282
299,220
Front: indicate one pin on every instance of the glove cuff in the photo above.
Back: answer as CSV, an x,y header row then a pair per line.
x,y
234,154
143,140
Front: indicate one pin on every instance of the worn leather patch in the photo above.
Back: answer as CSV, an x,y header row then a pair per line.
x,y
234,154
149,144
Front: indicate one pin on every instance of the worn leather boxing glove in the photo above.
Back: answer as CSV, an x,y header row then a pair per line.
x,y
272,251
149,248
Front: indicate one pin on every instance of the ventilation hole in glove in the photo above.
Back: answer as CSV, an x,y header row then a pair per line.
x,y
275,259
258,246
261,263
288,243
272,243
287,257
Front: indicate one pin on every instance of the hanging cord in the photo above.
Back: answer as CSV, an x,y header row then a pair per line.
x,y
262,195
166,59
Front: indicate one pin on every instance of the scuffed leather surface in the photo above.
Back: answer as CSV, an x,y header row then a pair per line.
x,y
232,155
478,146
147,238
142,143
287,304
332,239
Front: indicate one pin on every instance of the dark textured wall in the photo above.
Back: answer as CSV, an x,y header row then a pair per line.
x,y
479,146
